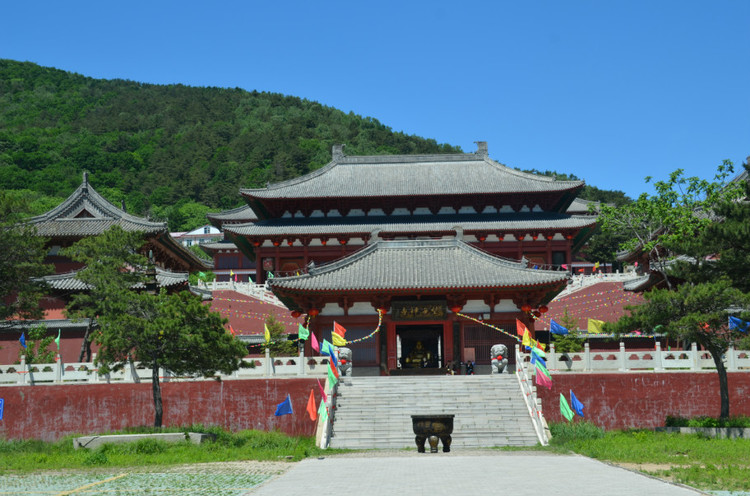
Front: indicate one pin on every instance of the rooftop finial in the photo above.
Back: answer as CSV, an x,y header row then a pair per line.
x,y
338,152
85,177
482,148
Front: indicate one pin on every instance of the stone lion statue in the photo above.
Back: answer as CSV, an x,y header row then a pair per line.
x,y
499,357
345,361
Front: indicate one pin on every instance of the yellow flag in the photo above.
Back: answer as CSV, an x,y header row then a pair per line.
x,y
338,340
231,272
595,326
268,333
596,265
526,341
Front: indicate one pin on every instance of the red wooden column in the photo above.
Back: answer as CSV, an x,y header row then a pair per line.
x,y
391,344
447,342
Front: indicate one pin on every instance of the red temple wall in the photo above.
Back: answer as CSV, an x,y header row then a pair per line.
x,y
633,400
51,412
614,401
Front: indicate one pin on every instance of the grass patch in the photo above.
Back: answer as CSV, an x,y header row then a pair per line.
x,y
30,455
705,421
695,460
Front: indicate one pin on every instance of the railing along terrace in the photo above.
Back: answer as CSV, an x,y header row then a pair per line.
x,y
656,360
25,374
533,403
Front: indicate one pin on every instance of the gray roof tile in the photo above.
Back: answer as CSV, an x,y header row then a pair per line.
x,y
69,282
400,265
408,175
86,213
418,223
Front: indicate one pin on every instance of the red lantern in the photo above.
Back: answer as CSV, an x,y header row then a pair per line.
x,y
537,313
276,243
544,308
456,308
343,241
383,310
296,314
313,312
526,308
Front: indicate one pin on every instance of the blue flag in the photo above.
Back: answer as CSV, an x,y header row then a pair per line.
x,y
2,407
577,405
22,340
739,324
327,349
536,357
285,407
556,328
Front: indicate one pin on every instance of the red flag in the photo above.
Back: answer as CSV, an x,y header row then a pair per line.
x,y
311,410
333,369
339,329
323,394
231,330
543,380
520,328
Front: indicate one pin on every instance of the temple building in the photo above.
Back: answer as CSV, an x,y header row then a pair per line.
x,y
439,245
86,213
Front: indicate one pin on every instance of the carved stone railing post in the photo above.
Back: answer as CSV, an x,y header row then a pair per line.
x,y
133,372
552,359
658,365
731,359
623,358
301,369
695,362
267,364
24,370
586,357
58,368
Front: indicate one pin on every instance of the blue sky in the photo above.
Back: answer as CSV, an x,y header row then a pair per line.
x,y
611,91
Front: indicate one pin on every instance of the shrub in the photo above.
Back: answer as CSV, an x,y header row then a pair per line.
x,y
564,432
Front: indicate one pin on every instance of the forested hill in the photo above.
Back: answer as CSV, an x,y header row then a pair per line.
x,y
168,151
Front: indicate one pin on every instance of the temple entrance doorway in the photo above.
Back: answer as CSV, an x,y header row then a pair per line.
x,y
420,348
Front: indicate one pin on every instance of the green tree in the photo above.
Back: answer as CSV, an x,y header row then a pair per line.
x,y
693,313
22,264
279,345
571,342
37,346
683,229
176,332
671,222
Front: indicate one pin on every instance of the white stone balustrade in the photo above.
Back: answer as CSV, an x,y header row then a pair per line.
x,y
656,360
21,374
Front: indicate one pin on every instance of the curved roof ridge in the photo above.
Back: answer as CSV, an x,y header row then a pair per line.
x,y
528,175
83,193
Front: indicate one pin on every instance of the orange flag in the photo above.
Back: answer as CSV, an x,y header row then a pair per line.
x,y
311,410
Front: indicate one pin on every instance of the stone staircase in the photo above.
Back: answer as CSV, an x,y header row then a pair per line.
x,y
375,412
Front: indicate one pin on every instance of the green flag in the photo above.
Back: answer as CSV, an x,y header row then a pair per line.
x,y
323,411
202,275
57,340
303,332
332,378
565,408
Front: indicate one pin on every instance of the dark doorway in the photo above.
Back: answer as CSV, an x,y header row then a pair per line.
x,y
421,346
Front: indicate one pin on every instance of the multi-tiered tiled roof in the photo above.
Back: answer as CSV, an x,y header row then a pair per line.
x,y
86,213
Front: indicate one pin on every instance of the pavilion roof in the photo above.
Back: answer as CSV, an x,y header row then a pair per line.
x,y
69,282
418,264
411,175
86,213
527,222
239,215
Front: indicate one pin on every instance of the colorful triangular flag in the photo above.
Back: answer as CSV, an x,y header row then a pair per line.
x,y
314,342
22,340
285,407
543,380
565,409
303,332
577,405
311,410
595,326
556,328
323,394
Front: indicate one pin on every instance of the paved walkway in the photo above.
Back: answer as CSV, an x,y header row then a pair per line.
x,y
413,474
